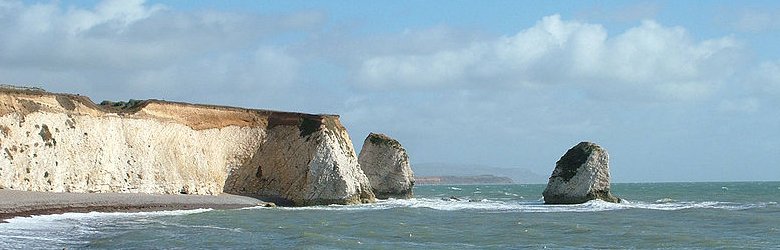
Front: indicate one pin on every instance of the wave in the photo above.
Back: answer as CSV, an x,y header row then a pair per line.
x,y
672,205
46,231
90,215
206,227
71,221
487,205
665,200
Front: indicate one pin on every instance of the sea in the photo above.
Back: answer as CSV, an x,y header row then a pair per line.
x,y
727,215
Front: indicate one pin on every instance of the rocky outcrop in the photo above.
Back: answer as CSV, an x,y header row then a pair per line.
x,y
386,164
582,174
66,143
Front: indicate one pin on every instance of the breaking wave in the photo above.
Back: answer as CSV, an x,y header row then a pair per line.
x,y
46,231
531,206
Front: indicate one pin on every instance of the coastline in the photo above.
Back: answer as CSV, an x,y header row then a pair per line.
x,y
14,203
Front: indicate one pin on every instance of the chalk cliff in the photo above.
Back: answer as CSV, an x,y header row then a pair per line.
x,y
66,143
582,174
386,164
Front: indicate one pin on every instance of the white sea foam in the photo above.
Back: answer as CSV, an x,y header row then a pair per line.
x,y
179,225
665,200
46,231
487,205
455,205
95,215
680,205
57,230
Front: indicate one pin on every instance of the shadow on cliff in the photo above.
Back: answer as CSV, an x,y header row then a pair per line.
x,y
277,171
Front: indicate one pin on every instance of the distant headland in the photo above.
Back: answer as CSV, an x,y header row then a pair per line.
x,y
464,180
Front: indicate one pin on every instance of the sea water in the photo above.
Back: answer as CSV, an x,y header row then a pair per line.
x,y
653,215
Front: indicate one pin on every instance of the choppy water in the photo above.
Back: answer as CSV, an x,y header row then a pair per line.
x,y
655,215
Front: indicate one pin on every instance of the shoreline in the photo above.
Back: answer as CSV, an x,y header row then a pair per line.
x,y
14,203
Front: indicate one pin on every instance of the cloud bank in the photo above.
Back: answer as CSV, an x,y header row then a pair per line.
x,y
650,59
147,50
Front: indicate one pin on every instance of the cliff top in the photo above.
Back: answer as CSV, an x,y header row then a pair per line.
x,y
133,105
197,116
377,138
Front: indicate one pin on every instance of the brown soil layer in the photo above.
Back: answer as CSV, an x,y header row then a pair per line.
x,y
196,116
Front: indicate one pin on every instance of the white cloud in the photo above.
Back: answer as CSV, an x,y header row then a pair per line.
x,y
649,59
230,74
133,49
118,14
130,35
765,78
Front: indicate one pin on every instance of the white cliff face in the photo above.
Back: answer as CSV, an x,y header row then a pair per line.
x,y
582,174
335,165
62,143
321,168
386,164
54,152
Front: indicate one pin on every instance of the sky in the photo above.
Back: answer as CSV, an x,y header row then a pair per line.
x,y
674,90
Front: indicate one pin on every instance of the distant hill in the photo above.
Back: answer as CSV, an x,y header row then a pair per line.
x,y
518,175
479,179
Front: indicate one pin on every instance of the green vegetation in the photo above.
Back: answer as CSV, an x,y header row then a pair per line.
x,y
378,139
121,106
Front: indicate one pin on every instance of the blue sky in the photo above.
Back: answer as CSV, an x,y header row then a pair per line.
x,y
675,90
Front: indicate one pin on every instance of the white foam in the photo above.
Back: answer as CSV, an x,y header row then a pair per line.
x,y
91,215
455,205
665,200
486,205
171,224
680,205
46,231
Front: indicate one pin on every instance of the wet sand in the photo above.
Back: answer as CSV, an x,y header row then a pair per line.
x,y
23,203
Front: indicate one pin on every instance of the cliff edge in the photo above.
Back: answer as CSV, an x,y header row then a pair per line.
x,y
66,143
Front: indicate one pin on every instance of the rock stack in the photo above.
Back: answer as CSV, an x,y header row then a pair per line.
x,y
582,174
386,164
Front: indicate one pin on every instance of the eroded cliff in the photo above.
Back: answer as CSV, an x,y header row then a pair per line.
x,y
66,143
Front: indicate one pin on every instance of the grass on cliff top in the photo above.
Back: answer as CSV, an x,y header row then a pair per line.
x,y
379,139
130,104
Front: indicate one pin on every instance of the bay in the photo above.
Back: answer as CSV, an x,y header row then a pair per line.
x,y
653,215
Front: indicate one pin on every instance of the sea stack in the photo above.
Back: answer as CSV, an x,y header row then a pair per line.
x,y
386,164
53,142
582,174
